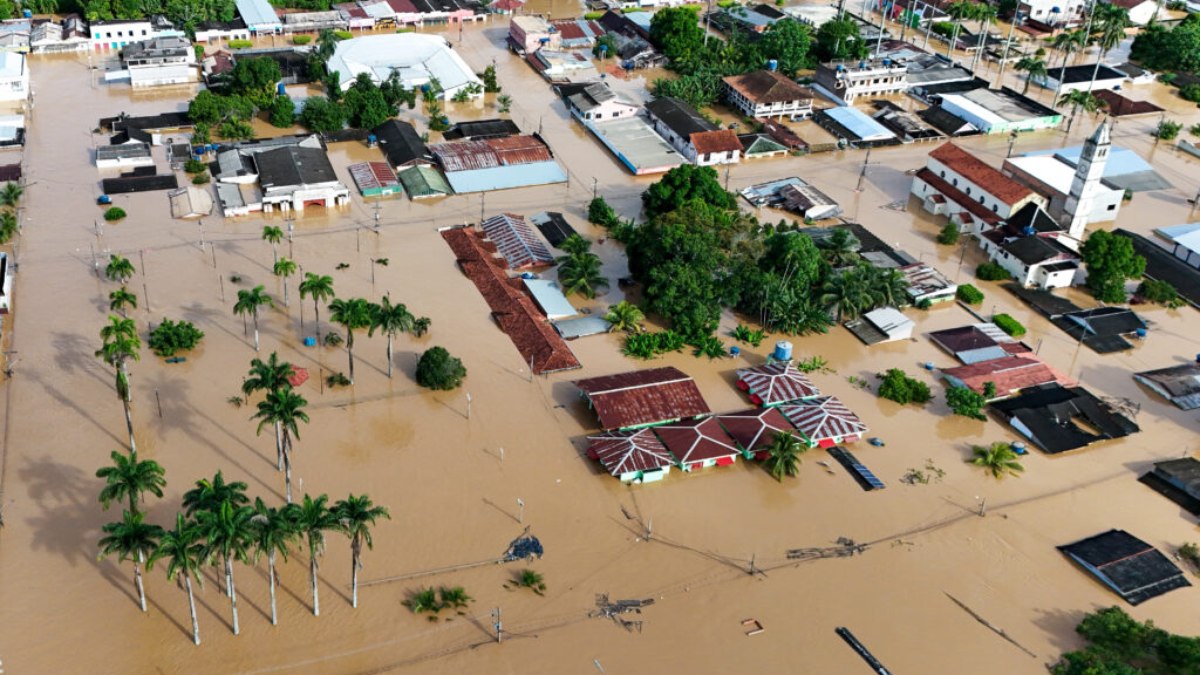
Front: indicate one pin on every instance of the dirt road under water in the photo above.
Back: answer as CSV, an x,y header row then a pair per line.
x,y
452,482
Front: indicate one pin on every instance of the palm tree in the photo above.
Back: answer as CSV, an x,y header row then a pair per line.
x,y
958,11
1077,99
321,289
998,459
888,286
274,532
120,344
185,555
625,316
1112,20
355,516
846,294
273,235
130,539
209,495
1034,68
228,533
840,248
580,273
352,314
984,14
8,226
121,298
270,375
313,520
11,193
248,302
783,456
283,408
129,478
392,320
284,268
575,245
1067,42
118,269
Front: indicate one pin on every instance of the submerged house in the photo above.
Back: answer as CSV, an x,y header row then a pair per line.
x,y
1059,419
886,324
1178,384
776,383
643,398
1128,566
980,342
698,443
1008,374
632,456
755,430
1177,480
824,421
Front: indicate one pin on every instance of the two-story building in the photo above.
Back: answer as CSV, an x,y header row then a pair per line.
x,y
595,101
160,61
528,34
971,193
118,34
697,139
766,93
848,80
1030,246
1054,13
14,77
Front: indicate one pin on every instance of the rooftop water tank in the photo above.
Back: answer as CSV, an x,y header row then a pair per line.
x,y
783,351
773,65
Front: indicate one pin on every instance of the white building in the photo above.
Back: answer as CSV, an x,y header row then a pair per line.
x,y
417,58
848,80
1142,12
1079,78
697,139
51,37
1183,241
1000,112
215,31
596,101
1029,246
160,61
14,77
118,34
766,93
974,196
124,156
294,177
1054,13
6,280
1095,201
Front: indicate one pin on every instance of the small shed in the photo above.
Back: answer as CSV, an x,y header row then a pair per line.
x,y
979,342
1130,567
550,299
698,443
516,241
190,202
581,326
886,324
422,182
643,397
375,179
776,383
824,421
632,456
1178,384
755,430
553,226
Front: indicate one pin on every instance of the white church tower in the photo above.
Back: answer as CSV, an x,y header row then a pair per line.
x,y
1081,200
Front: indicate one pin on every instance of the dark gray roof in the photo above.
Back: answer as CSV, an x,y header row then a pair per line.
x,y
1179,383
481,129
401,143
293,165
1162,266
1033,216
679,116
1129,566
1033,249
1077,74
1177,480
946,122
1049,413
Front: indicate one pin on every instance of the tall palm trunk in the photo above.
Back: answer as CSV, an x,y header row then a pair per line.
x,y
137,579
287,464
389,355
355,563
285,293
317,312
271,579
255,314
278,447
232,594
274,255
124,389
187,581
312,567
350,351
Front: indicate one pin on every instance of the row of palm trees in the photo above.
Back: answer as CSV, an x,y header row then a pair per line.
x,y
1106,28
963,10
218,525
847,293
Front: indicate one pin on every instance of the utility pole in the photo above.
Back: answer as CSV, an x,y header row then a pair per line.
x,y
1016,18
863,174
595,182
1012,140
496,623
520,511
468,405
377,216
727,168
200,223
482,207
145,286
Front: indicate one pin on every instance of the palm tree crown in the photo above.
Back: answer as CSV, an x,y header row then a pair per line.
x,y
314,519
269,375
580,273
121,298
209,495
321,290
998,459
783,456
625,316
352,314
184,554
131,538
356,516
118,269
11,193
248,302
128,478
8,226
392,320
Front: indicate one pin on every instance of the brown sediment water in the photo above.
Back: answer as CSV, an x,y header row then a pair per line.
x,y
452,482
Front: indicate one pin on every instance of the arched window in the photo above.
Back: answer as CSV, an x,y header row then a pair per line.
x,y
955,182
980,199
968,190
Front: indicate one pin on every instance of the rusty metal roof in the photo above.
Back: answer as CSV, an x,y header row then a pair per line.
x,y
490,152
643,397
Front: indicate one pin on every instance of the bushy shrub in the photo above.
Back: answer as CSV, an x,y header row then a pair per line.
x,y
1009,325
1160,293
969,294
1190,92
240,44
949,235
301,39
990,271
170,337
650,345
200,178
438,370
114,213
899,387
600,213
1167,130
343,34
194,166
965,402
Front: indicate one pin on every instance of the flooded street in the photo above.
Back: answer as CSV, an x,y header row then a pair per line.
x,y
453,481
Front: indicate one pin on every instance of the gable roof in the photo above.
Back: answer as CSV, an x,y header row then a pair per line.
x,y
1129,566
643,397
767,86
623,452
553,226
1032,218
1180,384
980,342
293,165
679,116
1046,415
516,241
401,143
1032,250
721,140
697,440
823,418
1009,373
423,181
980,173
777,382
756,428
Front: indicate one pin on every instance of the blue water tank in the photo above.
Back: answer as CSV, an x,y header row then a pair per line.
x,y
929,365
887,62
734,351
372,140
1141,332
280,89
603,50
1029,231
773,65
28,13
783,351
840,67
862,65
310,342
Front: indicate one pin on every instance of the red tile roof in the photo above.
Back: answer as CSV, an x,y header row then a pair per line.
x,y
823,419
403,6
537,341
980,173
506,5
784,136
1119,106
697,440
768,86
959,197
623,452
755,429
777,382
643,397
1010,374
722,140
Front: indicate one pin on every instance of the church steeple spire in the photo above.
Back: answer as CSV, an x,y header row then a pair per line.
x,y
1081,200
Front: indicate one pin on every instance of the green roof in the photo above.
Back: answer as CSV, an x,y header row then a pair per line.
x,y
764,145
424,181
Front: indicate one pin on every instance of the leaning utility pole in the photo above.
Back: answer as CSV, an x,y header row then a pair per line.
x,y
496,623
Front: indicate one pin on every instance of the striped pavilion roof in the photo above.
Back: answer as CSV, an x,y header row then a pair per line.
x,y
823,418
697,440
516,241
624,452
756,428
778,382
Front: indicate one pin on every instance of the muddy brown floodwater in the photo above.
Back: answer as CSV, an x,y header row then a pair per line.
x,y
452,482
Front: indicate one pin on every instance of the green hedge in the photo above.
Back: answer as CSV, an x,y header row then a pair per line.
x,y
969,294
990,271
1009,325
240,44
301,39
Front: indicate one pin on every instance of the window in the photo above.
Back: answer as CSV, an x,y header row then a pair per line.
x,y
968,190
1112,207
980,199
943,174
954,182
995,208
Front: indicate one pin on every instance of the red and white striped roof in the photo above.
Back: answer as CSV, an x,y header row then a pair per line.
x,y
697,440
755,428
823,418
627,452
516,241
778,382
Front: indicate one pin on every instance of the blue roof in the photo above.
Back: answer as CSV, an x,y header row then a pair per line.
x,y
859,123
257,13
642,19
505,177
1121,161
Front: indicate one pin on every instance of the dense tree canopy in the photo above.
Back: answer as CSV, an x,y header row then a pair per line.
x,y
677,34
1175,49
322,115
685,183
366,107
788,42
254,78
838,40
1111,261
1118,644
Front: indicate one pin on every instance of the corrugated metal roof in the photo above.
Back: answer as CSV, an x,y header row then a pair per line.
x,y
623,453
697,440
823,418
581,326
550,298
859,123
755,429
643,397
369,175
777,382
257,13
423,181
516,241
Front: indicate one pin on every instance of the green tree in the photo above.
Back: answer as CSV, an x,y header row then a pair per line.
x,y
128,479
1177,49
365,105
839,40
580,273
274,532
351,314
1034,69
1068,42
685,183
789,42
503,103
437,369
1110,21
248,302
228,533
488,76
965,402
210,494
121,298
10,194
356,516
273,235
255,78
320,287
847,294
322,115
271,375
605,47
119,269
600,213
676,32
8,226
131,538
998,459
313,519
949,235
283,409
392,320
840,249
205,108
282,112
625,316
897,386
1080,99
120,344
184,553
1110,261
284,268
887,286
783,455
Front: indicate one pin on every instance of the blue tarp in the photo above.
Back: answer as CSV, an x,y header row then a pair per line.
x,y
505,177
